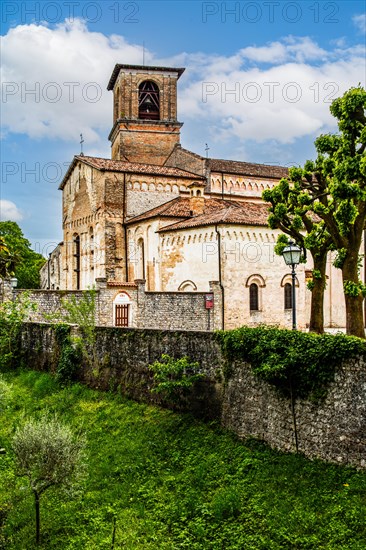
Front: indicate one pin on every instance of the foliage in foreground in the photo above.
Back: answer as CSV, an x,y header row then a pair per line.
x,y
297,363
169,482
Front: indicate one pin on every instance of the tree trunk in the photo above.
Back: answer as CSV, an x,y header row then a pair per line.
x,y
36,502
354,310
317,296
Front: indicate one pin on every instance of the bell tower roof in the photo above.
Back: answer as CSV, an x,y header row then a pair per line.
x,y
141,69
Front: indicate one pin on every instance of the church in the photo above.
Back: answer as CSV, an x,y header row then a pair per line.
x,y
172,239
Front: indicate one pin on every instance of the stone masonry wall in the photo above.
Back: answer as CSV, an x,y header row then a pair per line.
x,y
333,429
160,310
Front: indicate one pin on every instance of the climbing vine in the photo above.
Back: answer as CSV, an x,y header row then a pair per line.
x,y
70,355
298,364
173,378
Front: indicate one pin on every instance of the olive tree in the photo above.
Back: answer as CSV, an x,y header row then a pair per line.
x,y
49,455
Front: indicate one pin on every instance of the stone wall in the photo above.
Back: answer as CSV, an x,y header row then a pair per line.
x,y
160,310
333,429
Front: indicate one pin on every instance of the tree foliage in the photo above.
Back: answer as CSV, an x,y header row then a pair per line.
x,y
325,201
17,257
49,455
13,313
291,212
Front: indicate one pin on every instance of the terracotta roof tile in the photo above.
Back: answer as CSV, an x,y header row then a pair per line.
x,y
180,207
248,168
121,284
245,213
109,165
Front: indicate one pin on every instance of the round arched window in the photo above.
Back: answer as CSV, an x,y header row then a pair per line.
x,y
149,101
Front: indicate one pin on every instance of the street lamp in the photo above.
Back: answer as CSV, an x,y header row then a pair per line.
x,y
291,254
13,282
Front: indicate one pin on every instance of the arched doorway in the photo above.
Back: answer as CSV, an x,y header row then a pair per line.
x,y
122,310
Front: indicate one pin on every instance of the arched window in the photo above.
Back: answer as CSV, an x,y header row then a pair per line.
x,y
288,295
253,297
255,283
149,101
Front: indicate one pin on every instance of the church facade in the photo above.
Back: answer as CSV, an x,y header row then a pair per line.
x,y
171,236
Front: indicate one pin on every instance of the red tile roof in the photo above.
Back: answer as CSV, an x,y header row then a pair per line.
x,y
180,207
109,165
248,168
121,284
245,213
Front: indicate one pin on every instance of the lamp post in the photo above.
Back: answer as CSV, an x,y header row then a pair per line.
x,y
291,255
13,282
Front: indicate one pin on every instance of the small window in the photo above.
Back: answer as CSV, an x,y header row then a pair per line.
x,y
288,295
253,297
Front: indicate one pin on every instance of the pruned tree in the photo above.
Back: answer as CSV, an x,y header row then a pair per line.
x,y
49,455
332,188
336,182
290,211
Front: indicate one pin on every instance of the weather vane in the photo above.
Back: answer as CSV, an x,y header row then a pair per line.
x,y
207,150
81,145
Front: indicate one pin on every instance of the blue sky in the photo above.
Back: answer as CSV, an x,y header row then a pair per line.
x,y
257,87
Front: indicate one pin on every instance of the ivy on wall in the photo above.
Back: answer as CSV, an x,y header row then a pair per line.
x,y
299,364
70,355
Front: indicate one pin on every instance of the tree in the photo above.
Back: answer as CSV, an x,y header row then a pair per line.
x,y
49,455
7,260
334,189
336,181
18,258
290,211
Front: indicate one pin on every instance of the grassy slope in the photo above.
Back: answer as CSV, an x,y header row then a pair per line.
x,y
172,482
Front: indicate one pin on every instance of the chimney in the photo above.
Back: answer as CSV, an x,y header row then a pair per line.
x,y
197,197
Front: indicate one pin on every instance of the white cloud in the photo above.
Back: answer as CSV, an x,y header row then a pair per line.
x,y
360,22
68,69
281,101
280,91
9,211
291,49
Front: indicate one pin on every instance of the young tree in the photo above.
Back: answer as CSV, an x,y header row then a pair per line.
x,y
49,455
19,259
290,211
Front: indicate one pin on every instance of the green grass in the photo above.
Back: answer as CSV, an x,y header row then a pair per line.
x,y
172,482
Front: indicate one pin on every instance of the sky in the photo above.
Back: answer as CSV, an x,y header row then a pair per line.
x,y
260,77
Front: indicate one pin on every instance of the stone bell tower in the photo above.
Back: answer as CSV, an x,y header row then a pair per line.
x,y
145,126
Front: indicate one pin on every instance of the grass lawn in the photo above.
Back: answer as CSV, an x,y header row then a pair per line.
x,y
168,481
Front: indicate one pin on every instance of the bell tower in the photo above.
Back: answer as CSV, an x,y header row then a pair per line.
x,y
145,126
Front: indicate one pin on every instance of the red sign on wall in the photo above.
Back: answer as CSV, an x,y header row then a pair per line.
x,y
209,301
